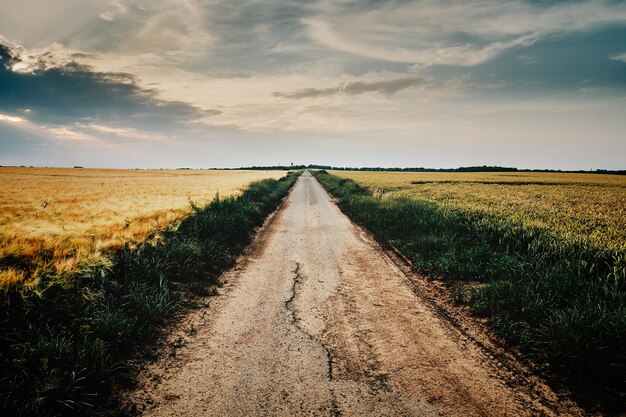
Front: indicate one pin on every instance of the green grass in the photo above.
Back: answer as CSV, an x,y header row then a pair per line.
x,y
562,304
62,342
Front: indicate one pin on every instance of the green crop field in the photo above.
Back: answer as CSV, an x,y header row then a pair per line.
x,y
578,208
541,255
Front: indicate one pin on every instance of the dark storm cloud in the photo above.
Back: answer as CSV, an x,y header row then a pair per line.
x,y
66,91
386,87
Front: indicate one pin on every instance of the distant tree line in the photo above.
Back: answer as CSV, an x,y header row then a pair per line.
x,y
483,168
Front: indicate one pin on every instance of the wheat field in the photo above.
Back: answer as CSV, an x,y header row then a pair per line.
x,y
52,219
540,256
583,208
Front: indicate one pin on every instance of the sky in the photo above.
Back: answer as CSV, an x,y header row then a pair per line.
x,y
228,83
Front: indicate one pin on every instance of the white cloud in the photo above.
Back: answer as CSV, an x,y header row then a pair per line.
x,y
126,132
451,32
619,57
63,132
118,8
54,131
155,32
53,56
10,119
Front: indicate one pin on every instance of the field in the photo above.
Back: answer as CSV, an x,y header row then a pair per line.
x,y
582,208
96,262
93,301
51,219
541,256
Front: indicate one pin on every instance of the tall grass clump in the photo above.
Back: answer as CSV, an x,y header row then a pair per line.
x,y
63,339
562,303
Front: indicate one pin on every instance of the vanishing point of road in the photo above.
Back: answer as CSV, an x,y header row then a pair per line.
x,y
318,320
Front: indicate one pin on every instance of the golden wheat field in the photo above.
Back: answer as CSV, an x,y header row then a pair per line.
x,y
54,218
586,208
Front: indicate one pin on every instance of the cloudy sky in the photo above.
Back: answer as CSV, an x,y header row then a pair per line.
x,y
225,83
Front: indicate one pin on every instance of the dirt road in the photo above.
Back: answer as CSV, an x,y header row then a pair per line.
x,y
318,320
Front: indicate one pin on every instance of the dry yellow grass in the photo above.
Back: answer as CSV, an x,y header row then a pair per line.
x,y
585,208
51,219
